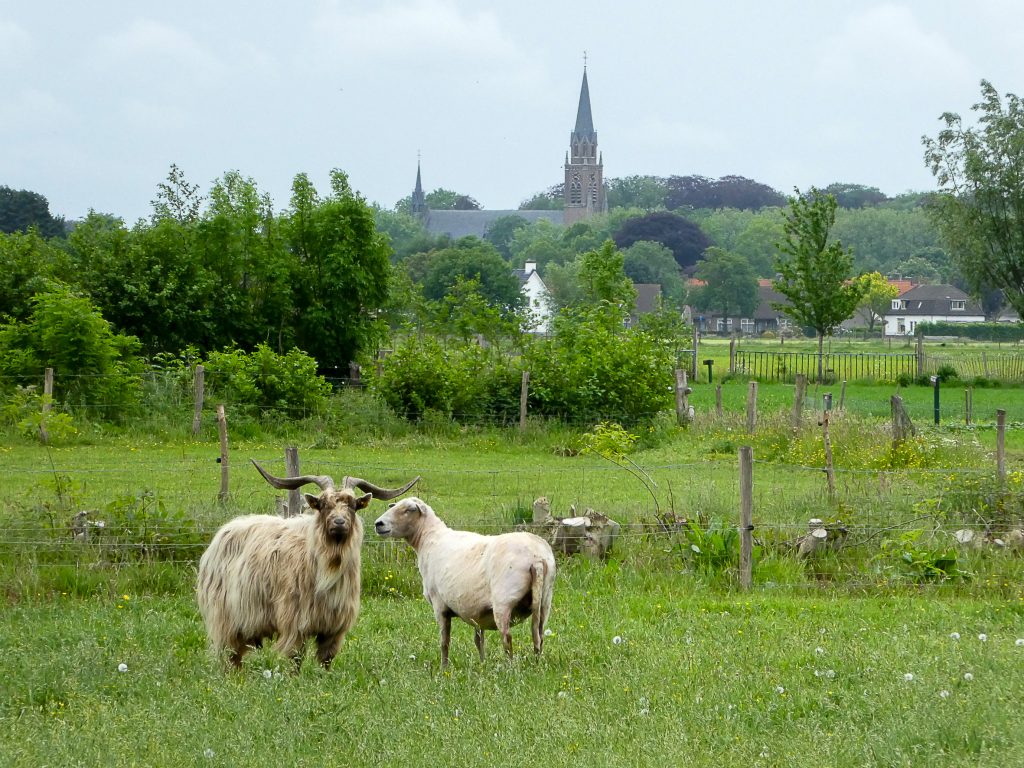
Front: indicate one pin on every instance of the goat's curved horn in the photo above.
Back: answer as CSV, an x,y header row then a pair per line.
x,y
379,493
291,483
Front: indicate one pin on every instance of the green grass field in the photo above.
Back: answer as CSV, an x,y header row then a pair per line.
x,y
655,657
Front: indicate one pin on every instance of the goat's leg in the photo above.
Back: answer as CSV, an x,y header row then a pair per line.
x,y
290,645
236,650
478,638
326,648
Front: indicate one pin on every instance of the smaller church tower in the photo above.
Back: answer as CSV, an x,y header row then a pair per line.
x,y
419,200
584,166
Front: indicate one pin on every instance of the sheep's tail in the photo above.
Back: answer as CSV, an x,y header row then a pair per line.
x,y
541,590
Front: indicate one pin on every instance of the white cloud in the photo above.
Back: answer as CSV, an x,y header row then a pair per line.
x,y
15,44
148,48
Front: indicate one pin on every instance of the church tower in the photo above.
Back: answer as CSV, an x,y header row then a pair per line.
x,y
419,200
584,167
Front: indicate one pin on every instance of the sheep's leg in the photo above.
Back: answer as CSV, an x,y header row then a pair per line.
x,y
444,620
478,638
538,634
503,621
327,647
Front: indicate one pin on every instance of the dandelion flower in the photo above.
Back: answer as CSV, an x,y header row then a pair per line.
x,y
780,690
909,676
412,657
208,753
268,673
983,637
955,635
548,633
968,676
830,674
616,640
944,694
122,667
819,650
1020,642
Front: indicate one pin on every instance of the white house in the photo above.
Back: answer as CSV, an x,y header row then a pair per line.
x,y
537,297
931,304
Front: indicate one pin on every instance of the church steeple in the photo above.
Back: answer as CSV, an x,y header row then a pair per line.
x,y
419,200
584,166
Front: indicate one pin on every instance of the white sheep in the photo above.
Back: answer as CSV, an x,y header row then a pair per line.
x,y
490,582
296,578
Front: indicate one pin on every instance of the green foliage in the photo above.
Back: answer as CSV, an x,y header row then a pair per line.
x,y
473,259
647,262
96,370
462,382
25,411
713,550
915,555
603,279
267,381
877,300
28,265
731,284
142,527
592,368
975,331
22,210
980,171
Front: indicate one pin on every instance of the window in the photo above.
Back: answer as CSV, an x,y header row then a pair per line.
x,y
957,304
747,325
720,325
896,304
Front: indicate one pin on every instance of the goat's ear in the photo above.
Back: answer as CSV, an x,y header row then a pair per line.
x,y
362,502
313,501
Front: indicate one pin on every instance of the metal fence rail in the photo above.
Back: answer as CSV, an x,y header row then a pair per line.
x,y
836,366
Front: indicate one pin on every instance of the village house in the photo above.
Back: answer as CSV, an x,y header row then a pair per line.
x,y
931,304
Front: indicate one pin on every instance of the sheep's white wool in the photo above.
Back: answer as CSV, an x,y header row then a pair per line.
x,y
490,582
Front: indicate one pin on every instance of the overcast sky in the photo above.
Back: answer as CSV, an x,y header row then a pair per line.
x,y
98,99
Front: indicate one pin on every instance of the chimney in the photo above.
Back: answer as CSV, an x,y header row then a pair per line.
x,y
531,266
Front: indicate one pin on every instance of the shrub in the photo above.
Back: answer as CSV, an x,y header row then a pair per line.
x,y
267,381
96,370
946,372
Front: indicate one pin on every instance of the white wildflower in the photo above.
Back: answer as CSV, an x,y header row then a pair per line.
x,y
983,637
122,667
1020,642
548,633
955,635
616,640
909,676
780,690
267,673
968,676
944,694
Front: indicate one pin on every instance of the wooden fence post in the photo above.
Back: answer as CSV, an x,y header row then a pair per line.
x,y
682,398
718,401
830,472
222,428
968,406
732,355
696,344
200,385
842,396
291,469
798,399
752,407
746,516
1001,445
920,356
524,394
902,426
44,435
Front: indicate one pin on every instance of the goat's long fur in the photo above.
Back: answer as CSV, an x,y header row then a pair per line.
x,y
490,582
295,578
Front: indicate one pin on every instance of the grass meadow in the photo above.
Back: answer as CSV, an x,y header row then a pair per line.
x,y
885,653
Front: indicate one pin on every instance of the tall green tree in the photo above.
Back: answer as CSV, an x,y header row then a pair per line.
x,y
603,279
647,262
473,259
980,210
815,275
342,277
22,210
730,284
877,300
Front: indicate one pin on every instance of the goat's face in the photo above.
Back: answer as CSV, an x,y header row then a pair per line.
x,y
336,510
402,519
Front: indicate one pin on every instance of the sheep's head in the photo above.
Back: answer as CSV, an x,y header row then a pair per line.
x,y
336,512
402,520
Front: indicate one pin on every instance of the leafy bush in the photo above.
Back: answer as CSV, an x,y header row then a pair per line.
x,y
946,372
267,381
592,368
96,370
464,382
976,331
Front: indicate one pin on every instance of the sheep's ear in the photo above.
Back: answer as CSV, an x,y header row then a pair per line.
x,y
362,502
313,501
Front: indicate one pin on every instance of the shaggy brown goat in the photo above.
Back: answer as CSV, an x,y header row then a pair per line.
x,y
295,578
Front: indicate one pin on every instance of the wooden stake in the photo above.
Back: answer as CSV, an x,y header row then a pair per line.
x,y
1001,445
746,517
732,355
44,435
291,469
524,393
222,428
842,396
830,472
197,414
682,398
718,401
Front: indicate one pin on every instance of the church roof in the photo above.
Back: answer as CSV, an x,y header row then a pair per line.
x,y
458,224
584,119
